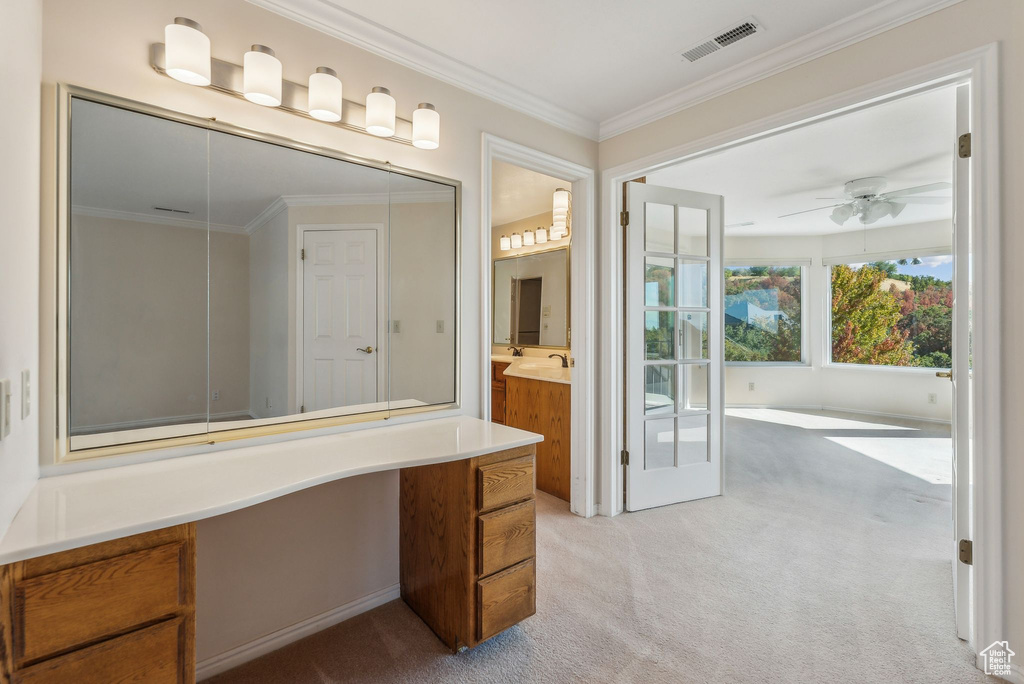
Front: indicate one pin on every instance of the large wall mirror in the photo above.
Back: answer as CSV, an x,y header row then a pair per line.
x,y
531,300
217,281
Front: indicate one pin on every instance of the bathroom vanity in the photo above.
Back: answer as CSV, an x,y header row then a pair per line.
x,y
98,575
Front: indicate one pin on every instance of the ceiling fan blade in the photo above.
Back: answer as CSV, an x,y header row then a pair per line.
x,y
918,189
841,199
919,200
807,211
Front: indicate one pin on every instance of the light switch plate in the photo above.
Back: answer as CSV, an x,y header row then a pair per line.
x,y
5,408
26,394
440,326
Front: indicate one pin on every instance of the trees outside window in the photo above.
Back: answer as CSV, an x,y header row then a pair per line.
x,y
763,313
893,313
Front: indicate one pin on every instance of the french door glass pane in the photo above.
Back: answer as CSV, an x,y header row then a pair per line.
x,y
659,220
659,389
659,334
693,231
693,283
659,447
659,282
693,387
693,335
693,439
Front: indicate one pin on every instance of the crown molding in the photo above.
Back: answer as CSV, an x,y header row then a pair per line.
x,y
285,201
329,18
140,217
869,22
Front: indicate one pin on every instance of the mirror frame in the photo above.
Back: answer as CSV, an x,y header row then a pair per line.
x,y
568,296
61,338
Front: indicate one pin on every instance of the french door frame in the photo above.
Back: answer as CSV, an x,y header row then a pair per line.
x,y
980,67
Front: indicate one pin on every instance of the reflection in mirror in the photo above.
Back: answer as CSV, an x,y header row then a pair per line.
x,y
218,281
137,255
531,299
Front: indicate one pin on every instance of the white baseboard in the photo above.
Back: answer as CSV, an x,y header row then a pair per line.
x,y
841,409
282,637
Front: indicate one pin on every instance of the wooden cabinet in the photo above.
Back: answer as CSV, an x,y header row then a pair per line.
x,y
468,544
498,391
122,610
545,408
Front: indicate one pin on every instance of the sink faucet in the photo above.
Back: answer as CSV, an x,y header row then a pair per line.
x,y
564,357
516,351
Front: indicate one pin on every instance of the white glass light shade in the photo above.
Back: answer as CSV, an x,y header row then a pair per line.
x,y
187,52
560,200
528,238
426,127
875,211
380,113
325,95
842,214
517,240
261,76
559,214
505,243
542,236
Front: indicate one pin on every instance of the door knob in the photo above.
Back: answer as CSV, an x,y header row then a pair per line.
x,y
366,350
944,374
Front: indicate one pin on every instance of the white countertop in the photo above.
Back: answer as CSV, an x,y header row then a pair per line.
x,y
548,370
69,511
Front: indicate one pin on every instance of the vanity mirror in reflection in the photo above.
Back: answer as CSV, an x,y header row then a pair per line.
x,y
218,281
531,299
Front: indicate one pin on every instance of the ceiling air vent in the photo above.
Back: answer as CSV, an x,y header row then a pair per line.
x,y
721,39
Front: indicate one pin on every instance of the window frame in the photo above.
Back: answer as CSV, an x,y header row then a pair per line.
x,y
828,263
804,264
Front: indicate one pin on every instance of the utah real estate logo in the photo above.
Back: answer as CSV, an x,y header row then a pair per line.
x,y
997,659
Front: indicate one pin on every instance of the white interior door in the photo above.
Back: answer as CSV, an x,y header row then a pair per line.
x,y
339,311
674,346
961,370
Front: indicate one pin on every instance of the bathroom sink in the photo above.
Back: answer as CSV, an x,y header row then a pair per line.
x,y
542,370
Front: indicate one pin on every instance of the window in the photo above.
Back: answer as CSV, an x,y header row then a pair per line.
x,y
897,312
763,314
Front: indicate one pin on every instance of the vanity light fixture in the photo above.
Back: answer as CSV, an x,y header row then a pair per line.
x,y
325,95
542,236
187,52
261,76
380,113
561,203
426,127
528,238
186,57
505,243
517,240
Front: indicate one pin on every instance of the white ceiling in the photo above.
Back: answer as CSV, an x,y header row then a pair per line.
x,y
518,193
910,141
598,68
128,162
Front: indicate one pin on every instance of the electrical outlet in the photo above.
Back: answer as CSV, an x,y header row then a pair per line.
x,y
933,398
396,326
750,387
440,326
26,394
216,395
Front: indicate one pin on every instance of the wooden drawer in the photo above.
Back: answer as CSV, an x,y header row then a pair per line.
x,y
506,482
148,655
498,404
506,598
498,372
506,537
75,606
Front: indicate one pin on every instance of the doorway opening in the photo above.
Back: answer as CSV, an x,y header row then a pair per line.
x,y
774,338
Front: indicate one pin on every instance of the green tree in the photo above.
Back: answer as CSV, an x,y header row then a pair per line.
x,y
865,319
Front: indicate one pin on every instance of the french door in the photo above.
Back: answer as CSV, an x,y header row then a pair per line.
x,y
674,345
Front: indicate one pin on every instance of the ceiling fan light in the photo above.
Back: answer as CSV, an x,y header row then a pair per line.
x,y
896,208
875,211
842,214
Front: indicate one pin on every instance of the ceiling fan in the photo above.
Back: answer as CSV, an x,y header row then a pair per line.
x,y
864,198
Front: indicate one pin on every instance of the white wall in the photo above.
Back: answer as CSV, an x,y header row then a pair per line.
x,y
104,45
818,384
20,68
964,26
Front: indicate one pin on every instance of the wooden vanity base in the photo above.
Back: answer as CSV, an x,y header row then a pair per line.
x,y
468,544
545,408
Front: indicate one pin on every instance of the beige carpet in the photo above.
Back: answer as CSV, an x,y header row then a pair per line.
x,y
821,563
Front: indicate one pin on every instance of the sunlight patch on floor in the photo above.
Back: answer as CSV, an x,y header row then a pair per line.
x,y
809,421
927,458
